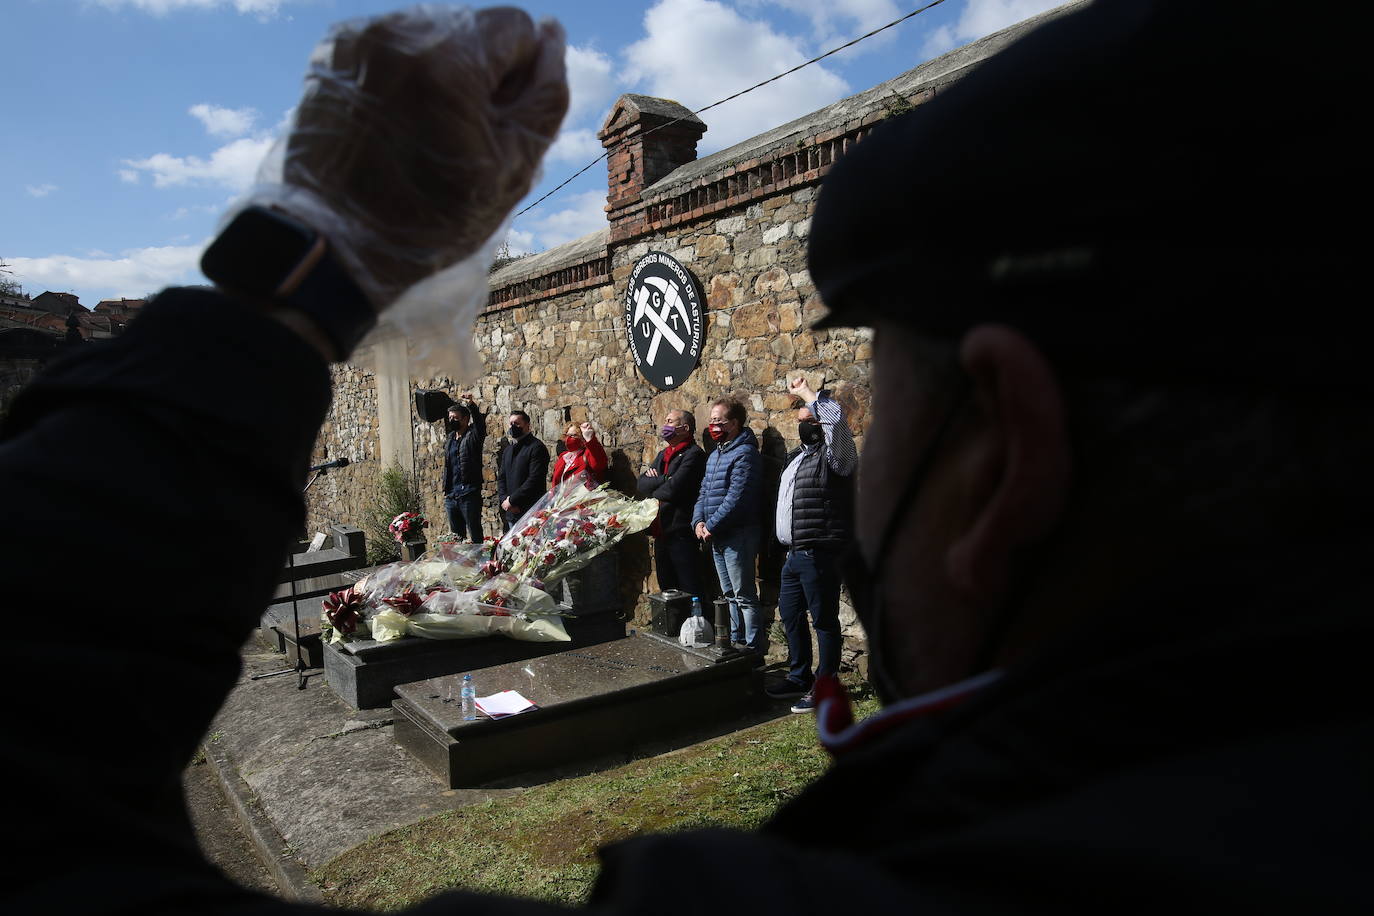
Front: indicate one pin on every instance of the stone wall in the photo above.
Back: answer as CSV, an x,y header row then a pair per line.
x,y
343,496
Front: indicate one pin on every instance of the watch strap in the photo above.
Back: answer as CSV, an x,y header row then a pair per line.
x,y
329,297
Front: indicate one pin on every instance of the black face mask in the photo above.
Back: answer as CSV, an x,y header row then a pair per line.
x,y
865,582
453,425
810,431
515,431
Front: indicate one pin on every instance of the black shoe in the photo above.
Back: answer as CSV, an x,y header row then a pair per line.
x,y
785,689
805,704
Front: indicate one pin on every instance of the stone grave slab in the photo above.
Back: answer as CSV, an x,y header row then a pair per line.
x,y
365,673
611,699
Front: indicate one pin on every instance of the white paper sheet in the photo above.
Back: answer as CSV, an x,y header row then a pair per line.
x,y
505,703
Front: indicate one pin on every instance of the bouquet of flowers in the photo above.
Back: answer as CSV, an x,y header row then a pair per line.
x,y
569,526
407,525
439,600
458,590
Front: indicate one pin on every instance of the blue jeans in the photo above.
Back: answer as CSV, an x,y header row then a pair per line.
x,y
811,582
736,555
465,514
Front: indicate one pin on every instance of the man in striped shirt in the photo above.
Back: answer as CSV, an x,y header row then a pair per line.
x,y
814,521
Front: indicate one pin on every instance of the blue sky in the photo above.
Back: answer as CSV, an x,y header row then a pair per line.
x,y
133,124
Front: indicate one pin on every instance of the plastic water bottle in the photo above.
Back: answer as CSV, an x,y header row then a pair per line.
x,y
696,606
469,695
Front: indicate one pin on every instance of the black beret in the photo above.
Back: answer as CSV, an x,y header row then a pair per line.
x,y
1157,187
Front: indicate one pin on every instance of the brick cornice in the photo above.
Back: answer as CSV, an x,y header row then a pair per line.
x,y
738,184
567,278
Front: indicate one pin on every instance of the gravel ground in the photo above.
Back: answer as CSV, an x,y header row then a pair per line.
x,y
220,836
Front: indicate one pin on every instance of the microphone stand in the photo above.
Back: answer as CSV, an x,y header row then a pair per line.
x,y
300,667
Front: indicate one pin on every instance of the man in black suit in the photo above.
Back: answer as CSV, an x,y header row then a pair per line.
x,y
674,479
523,470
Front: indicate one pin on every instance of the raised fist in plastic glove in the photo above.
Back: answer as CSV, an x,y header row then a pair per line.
x,y
417,134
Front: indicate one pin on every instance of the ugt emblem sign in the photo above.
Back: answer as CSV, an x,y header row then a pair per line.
x,y
663,320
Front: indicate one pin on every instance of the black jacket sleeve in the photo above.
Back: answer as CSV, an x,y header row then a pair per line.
x,y
448,467
646,485
470,447
503,454
681,486
208,411
536,481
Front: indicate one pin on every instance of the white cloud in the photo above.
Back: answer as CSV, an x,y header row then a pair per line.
x,y
41,190
833,22
700,51
100,276
260,8
580,146
231,166
224,122
234,165
518,242
590,83
983,17
585,213
592,89
197,209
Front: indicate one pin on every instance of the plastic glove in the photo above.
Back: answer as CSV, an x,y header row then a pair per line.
x,y
417,134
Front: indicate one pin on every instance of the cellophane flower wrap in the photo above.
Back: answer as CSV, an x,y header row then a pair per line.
x,y
442,595
461,591
567,528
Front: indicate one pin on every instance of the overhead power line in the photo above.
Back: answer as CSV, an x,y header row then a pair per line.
x,y
849,44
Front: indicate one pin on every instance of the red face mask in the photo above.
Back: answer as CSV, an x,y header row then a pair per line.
x,y
573,442
716,432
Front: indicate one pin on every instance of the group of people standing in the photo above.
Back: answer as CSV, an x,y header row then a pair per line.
x,y
707,502
715,501
522,467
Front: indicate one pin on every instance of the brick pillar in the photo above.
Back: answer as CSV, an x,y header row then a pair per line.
x,y
645,141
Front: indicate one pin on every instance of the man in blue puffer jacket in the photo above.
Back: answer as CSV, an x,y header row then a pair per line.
x,y
726,517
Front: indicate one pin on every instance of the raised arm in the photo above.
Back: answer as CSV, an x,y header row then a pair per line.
x,y
840,452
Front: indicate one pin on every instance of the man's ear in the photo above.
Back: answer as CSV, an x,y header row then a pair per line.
x,y
1024,458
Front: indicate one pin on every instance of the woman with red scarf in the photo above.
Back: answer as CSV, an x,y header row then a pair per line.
x,y
583,453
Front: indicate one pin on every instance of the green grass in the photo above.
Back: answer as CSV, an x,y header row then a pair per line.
x,y
542,843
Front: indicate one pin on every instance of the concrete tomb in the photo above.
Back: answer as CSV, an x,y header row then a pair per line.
x,y
616,698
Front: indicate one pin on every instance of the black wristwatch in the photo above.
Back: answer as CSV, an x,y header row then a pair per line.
x,y
273,257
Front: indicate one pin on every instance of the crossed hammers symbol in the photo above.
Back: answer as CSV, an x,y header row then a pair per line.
x,y
671,300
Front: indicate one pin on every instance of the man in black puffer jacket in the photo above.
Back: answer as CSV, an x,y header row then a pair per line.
x,y
467,431
814,520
